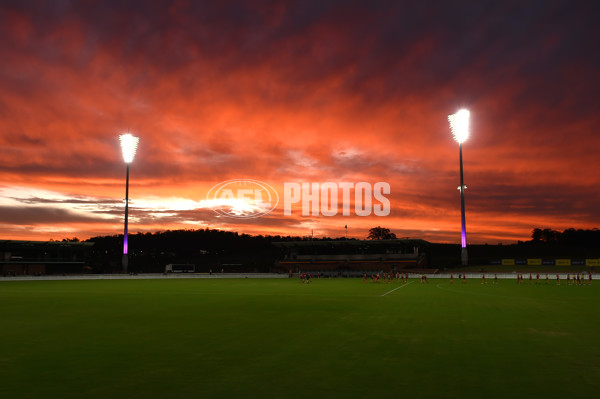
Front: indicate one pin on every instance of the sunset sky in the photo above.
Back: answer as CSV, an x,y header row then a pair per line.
x,y
299,91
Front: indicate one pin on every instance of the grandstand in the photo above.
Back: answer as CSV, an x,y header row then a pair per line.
x,y
43,257
353,257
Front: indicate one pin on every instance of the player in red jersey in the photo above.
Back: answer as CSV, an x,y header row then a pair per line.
x,y
451,278
557,279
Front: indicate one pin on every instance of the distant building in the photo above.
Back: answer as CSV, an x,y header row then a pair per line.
x,y
43,257
355,256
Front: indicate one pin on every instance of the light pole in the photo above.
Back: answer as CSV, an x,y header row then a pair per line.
x,y
459,125
128,146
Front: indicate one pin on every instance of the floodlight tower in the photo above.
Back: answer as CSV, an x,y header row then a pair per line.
x,y
129,145
459,125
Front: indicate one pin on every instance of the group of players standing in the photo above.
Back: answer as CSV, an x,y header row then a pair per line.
x,y
386,277
578,279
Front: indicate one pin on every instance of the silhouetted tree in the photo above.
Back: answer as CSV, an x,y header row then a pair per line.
x,y
536,234
380,233
550,235
571,237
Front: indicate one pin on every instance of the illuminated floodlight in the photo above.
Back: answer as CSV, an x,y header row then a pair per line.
x,y
129,145
459,125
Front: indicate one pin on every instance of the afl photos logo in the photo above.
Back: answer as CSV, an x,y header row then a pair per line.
x,y
242,198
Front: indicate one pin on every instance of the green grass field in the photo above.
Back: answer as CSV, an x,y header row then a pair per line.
x,y
279,338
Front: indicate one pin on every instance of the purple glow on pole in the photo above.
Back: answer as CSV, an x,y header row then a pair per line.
x,y
463,230
125,245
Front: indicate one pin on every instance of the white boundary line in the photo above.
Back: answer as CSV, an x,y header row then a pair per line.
x,y
397,288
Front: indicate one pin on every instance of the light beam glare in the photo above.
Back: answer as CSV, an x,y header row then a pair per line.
x,y
129,145
459,124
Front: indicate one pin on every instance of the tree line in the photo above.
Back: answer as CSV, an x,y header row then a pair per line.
x,y
574,237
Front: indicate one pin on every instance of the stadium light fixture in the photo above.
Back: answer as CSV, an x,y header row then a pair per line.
x,y
129,145
459,125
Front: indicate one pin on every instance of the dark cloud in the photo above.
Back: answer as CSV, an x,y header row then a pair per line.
x,y
72,201
28,216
